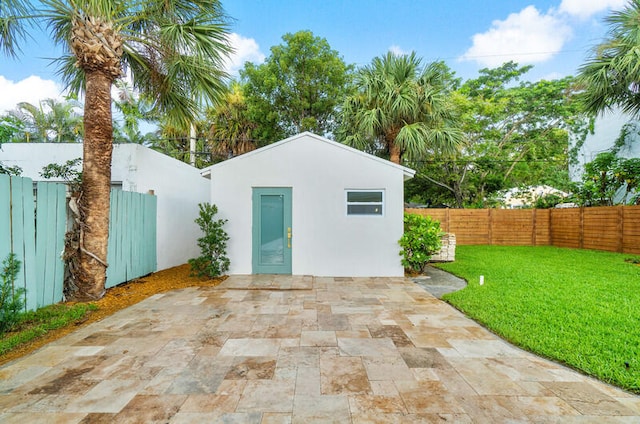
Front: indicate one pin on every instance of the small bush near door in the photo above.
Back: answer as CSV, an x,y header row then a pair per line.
x,y
420,241
213,260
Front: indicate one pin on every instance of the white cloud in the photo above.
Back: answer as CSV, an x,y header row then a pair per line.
x,y
584,9
524,37
246,50
31,89
552,76
397,50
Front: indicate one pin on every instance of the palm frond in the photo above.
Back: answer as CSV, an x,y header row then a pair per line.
x,y
15,19
612,75
399,102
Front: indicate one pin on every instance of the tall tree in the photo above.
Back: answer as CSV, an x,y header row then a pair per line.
x,y
175,141
11,129
608,180
517,134
174,51
49,121
298,88
133,109
231,130
402,107
612,76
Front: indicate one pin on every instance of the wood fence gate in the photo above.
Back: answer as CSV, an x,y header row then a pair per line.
x,y
33,222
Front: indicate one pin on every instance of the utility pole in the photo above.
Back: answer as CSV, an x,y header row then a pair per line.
x,y
192,145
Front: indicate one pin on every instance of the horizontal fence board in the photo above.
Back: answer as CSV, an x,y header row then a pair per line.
x,y
615,228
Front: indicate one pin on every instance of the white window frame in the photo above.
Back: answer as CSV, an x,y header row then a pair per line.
x,y
347,203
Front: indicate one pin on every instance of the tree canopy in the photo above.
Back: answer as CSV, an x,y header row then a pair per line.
x,y
298,88
402,107
516,135
50,121
231,132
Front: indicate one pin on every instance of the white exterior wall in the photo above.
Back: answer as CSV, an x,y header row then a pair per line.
x,y
178,186
606,131
325,242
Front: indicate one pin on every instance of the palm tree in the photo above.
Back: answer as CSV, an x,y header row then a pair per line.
x,y
612,76
51,121
34,121
66,124
132,109
176,141
231,129
401,107
174,51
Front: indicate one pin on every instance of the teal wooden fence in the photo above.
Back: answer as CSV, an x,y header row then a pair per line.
x,y
35,236
33,227
132,236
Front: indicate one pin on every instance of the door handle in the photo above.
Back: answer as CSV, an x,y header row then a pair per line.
x,y
289,237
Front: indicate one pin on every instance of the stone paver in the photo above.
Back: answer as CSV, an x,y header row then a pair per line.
x,y
272,349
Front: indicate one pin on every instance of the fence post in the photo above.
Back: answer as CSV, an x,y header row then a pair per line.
x,y
448,219
551,227
620,228
490,230
581,236
533,227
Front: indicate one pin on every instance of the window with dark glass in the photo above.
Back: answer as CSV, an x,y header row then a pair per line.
x,y
365,202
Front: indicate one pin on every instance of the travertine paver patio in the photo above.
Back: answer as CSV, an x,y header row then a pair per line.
x,y
320,350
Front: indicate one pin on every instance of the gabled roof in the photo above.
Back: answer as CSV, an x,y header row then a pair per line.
x,y
408,172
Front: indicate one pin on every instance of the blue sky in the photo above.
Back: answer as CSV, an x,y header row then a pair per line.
x,y
553,35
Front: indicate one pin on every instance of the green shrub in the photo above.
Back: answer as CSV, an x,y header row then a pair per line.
x,y
213,245
420,241
68,172
11,299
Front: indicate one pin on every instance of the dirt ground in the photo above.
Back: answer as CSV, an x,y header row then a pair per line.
x,y
117,298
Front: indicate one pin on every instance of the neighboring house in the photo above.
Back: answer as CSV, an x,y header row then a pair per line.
x,y
307,205
517,198
606,130
178,186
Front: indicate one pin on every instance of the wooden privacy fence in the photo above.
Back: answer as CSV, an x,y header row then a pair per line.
x,y
33,227
132,236
612,228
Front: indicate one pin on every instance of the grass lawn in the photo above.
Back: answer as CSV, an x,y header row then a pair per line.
x,y
579,307
35,324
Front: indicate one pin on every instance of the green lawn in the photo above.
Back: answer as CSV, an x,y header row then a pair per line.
x,y
34,324
579,307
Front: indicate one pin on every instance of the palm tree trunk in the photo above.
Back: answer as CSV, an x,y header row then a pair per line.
x,y
394,153
96,186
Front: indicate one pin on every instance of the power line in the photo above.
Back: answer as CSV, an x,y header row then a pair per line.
x,y
436,161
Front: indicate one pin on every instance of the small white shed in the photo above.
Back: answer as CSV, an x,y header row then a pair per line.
x,y
307,205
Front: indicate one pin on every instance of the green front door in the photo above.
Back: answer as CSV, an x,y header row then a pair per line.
x,y
271,230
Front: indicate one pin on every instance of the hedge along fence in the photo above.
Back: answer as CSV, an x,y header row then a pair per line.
x,y
612,228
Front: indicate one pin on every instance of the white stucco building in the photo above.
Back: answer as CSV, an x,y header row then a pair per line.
x,y
606,130
178,186
307,205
